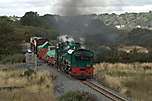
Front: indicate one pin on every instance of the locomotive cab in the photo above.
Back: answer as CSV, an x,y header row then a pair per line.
x,y
82,64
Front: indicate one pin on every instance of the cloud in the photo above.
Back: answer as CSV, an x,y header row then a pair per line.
x,y
143,8
73,7
137,2
19,7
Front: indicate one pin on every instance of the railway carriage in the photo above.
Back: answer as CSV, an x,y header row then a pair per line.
x,y
51,55
47,53
44,50
36,42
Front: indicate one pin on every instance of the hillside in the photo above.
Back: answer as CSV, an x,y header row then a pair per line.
x,y
128,21
94,29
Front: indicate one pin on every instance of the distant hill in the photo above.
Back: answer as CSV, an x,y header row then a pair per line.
x,y
101,29
128,21
102,33
97,30
142,37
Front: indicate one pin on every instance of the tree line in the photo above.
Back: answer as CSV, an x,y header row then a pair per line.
x,y
15,32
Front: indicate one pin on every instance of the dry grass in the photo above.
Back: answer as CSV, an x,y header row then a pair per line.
x,y
18,84
77,96
132,80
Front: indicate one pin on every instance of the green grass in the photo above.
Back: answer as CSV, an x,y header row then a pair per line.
x,y
11,59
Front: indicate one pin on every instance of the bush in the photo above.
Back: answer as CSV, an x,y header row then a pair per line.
x,y
16,58
77,96
10,44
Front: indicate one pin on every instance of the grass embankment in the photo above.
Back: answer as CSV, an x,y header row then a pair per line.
x,y
77,96
18,84
132,80
12,59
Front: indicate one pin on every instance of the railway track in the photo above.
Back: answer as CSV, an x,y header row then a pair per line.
x,y
104,91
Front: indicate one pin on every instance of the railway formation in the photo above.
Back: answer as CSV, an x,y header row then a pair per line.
x,y
101,89
104,91
47,54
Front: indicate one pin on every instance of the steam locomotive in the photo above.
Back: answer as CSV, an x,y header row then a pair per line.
x,y
68,56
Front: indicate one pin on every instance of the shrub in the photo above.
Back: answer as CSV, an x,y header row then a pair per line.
x,y
77,96
16,58
10,44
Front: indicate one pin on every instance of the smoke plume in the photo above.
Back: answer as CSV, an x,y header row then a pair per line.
x,y
81,7
65,38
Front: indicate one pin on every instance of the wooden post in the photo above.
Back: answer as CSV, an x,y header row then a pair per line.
x,y
35,60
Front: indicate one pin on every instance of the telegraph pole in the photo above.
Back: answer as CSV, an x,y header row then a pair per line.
x,y
35,54
35,59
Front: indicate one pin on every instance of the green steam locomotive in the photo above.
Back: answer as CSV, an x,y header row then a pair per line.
x,y
68,56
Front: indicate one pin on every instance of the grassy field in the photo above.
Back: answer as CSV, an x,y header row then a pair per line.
x,y
18,84
132,80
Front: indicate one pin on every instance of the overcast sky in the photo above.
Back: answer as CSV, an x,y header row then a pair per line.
x,y
19,7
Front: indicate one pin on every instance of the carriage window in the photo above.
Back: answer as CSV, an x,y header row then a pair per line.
x,y
83,57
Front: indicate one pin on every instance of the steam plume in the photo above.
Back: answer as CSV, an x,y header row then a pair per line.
x,y
80,7
65,38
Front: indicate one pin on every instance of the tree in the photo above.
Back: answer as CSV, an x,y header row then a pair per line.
x,y
31,19
9,43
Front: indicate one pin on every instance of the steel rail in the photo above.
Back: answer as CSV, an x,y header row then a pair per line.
x,y
104,91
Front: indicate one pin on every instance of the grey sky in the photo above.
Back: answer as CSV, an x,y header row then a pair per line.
x,y
19,7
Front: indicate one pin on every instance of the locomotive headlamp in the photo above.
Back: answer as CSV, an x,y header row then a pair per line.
x,y
88,65
70,51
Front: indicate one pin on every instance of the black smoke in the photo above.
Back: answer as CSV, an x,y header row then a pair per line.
x,y
82,7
